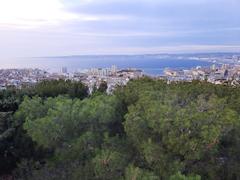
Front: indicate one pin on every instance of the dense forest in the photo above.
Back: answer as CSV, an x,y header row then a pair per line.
x,y
147,130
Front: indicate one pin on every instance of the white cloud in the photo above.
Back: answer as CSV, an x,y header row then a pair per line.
x,y
32,13
36,13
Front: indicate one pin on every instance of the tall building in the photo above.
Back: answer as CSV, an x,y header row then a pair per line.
x,y
114,69
64,70
213,67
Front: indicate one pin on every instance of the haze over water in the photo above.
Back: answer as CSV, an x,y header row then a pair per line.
x,y
149,64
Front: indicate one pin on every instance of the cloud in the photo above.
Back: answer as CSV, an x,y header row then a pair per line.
x,y
43,27
37,13
32,13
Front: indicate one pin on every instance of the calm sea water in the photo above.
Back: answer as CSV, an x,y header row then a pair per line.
x,y
150,65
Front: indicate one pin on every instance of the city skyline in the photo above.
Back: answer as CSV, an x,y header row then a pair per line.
x,y
59,27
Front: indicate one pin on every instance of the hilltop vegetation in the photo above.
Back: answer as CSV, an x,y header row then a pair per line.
x,y
147,130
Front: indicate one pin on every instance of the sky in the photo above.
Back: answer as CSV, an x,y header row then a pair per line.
x,y
31,28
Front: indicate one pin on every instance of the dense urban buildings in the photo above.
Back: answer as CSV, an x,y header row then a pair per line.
x,y
93,77
225,69
223,74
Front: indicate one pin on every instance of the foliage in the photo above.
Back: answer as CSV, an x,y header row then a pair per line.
x,y
135,173
183,127
74,129
103,87
148,130
179,176
15,144
54,88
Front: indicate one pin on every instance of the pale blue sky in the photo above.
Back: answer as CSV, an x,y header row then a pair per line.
x,y
70,27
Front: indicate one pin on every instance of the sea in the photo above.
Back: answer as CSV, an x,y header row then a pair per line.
x,y
150,64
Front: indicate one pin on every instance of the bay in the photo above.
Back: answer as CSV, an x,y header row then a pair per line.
x,y
152,65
